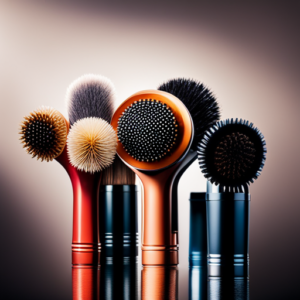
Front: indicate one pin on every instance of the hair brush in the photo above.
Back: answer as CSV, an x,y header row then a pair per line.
x,y
155,132
118,212
204,110
44,135
91,148
231,155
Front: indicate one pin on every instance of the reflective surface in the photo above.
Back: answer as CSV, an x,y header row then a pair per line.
x,y
121,280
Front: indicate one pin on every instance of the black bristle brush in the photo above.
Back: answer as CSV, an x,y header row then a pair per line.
x,y
90,96
231,155
204,110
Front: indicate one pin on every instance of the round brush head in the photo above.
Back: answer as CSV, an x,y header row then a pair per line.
x,y
200,102
232,153
147,130
44,133
92,144
90,96
154,130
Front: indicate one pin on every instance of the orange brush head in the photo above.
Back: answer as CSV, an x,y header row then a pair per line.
x,y
178,143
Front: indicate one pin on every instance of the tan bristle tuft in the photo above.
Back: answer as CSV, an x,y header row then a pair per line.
x,y
92,144
44,133
118,174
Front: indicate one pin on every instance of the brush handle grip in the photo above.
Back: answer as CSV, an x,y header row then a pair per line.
x,y
159,243
186,162
86,245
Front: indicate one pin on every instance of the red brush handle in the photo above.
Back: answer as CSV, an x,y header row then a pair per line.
x,y
86,282
86,245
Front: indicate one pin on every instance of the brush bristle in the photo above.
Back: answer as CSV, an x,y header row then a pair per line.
x,y
118,174
90,96
200,102
44,133
92,145
147,130
232,153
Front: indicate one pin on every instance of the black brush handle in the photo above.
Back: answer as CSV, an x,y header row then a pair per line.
x,y
118,220
187,161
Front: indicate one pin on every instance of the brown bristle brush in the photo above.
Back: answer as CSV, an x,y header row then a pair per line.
x,y
44,133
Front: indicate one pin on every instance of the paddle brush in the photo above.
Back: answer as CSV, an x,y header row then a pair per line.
x,y
155,132
231,155
91,148
204,110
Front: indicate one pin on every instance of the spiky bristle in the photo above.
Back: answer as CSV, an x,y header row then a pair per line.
x,y
44,133
232,153
92,144
200,102
147,129
90,96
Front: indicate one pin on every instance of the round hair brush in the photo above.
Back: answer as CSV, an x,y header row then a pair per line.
x,y
155,132
90,96
44,133
204,109
91,148
231,154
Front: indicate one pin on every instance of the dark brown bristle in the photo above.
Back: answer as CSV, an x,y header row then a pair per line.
x,y
147,129
118,174
44,133
234,155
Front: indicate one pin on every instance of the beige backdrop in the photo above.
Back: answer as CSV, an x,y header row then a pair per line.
x,y
247,54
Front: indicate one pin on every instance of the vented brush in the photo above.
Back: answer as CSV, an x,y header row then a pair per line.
x,y
204,110
155,132
231,155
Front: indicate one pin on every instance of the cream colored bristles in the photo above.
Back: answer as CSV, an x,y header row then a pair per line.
x,y
92,144
44,133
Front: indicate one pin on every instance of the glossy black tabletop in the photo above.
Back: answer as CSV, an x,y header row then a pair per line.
x,y
127,279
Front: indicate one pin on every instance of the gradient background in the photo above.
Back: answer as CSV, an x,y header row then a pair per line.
x,y
246,53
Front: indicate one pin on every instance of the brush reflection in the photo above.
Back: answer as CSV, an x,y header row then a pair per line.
x,y
201,287
198,283
85,283
233,288
119,279
159,282
115,280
